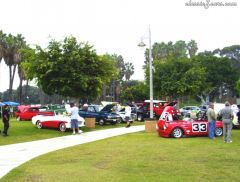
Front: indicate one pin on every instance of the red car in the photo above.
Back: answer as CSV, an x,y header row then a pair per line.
x,y
169,126
28,112
158,107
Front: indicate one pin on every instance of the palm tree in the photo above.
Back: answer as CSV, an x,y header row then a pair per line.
x,y
21,77
2,38
192,48
11,55
27,54
129,70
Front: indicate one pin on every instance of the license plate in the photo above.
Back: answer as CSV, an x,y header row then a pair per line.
x,y
114,120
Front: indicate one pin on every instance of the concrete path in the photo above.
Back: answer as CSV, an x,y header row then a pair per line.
x,y
14,155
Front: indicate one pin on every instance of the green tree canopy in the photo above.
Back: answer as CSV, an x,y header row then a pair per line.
x,y
136,91
220,72
177,77
71,69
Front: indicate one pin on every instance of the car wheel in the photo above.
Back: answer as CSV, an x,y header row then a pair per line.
x,y
120,121
39,125
140,117
62,127
18,118
218,131
177,133
101,122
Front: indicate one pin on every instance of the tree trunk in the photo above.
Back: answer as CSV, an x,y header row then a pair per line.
x,y
11,79
26,97
20,90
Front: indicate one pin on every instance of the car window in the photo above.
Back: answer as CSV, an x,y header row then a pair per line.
x,y
91,109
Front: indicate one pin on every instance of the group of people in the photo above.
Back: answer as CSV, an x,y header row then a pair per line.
x,y
227,116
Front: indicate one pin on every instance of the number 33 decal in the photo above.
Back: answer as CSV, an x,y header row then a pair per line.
x,y
199,127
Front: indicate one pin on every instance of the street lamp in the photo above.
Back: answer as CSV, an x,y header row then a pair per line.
x,y
142,44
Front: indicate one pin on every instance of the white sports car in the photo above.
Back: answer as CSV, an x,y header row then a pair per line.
x,y
60,122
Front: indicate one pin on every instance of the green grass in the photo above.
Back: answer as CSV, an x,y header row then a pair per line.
x,y
137,157
24,131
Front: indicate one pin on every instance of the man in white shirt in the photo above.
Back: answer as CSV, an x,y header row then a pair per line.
x,y
128,111
74,118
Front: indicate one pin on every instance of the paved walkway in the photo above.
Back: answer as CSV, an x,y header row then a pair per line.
x,y
14,155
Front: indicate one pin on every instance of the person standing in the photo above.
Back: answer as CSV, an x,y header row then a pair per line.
x,y
227,117
128,115
5,118
74,118
211,121
238,115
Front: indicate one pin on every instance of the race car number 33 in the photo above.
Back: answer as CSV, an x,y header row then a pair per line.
x,y
199,127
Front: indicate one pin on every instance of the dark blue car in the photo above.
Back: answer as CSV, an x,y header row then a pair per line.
x,y
102,116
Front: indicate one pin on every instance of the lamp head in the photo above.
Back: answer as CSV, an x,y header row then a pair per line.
x,y
141,44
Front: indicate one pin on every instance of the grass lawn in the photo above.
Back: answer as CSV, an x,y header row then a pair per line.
x,y
24,131
137,157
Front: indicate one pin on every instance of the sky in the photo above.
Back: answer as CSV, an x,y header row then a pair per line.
x,y
117,26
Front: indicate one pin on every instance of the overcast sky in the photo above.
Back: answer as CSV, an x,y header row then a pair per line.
x,y
116,26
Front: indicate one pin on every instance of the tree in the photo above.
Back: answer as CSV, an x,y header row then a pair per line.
x,y
192,48
231,52
135,91
28,55
238,86
180,49
177,77
70,69
220,73
10,50
2,42
129,70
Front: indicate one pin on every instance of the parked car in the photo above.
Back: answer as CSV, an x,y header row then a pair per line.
x,y
158,107
122,115
187,110
102,117
28,112
169,126
203,108
61,122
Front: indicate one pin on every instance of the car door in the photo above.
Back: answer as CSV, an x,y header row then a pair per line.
x,y
28,114
92,112
32,112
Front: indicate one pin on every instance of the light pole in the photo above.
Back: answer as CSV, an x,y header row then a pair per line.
x,y
142,44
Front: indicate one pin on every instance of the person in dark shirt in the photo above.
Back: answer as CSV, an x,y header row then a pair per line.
x,y
238,115
5,118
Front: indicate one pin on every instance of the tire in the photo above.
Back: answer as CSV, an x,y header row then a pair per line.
x,y
219,132
177,133
62,127
101,122
120,121
114,123
39,125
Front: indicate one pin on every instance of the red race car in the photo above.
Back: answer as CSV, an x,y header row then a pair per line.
x,y
170,126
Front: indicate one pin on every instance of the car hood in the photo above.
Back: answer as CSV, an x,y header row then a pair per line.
x,y
108,108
